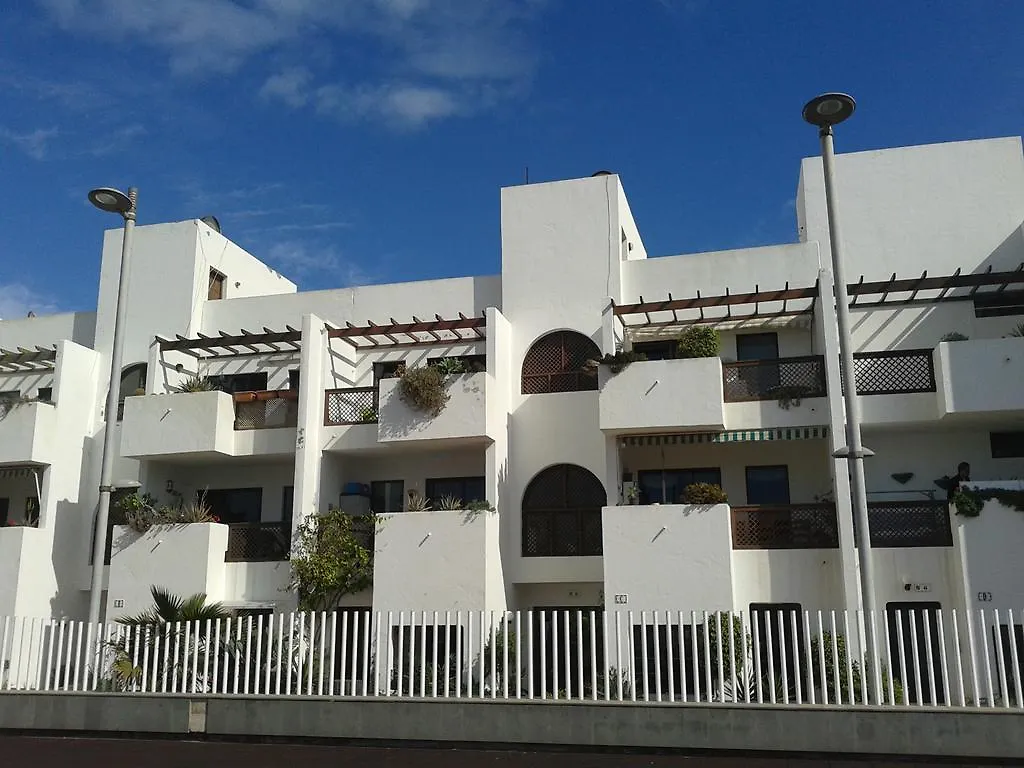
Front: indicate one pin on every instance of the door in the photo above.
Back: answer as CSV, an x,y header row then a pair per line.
x,y
553,638
778,639
768,485
916,622
761,350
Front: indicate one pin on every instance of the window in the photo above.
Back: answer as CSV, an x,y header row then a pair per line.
x,y
757,346
562,513
658,350
466,489
133,382
555,364
45,394
1007,445
387,496
216,287
5,506
287,503
293,379
8,399
665,486
240,382
999,304
387,370
768,485
235,505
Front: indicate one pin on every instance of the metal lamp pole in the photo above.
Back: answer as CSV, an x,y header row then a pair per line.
x,y
824,112
112,201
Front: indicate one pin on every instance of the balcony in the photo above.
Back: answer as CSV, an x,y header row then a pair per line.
x,y
663,395
28,432
781,392
896,386
963,393
206,424
463,418
792,526
909,524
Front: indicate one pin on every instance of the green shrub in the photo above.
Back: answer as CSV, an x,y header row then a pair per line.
x,y
839,657
954,336
423,388
699,341
704,493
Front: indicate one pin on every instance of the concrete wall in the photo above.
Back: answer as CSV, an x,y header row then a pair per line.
x,y
810,577
992,542
183,559
962,392
668,557
464,416
196,423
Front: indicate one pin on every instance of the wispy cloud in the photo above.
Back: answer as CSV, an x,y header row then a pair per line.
x,y
303,259
427,59
17,300
35,143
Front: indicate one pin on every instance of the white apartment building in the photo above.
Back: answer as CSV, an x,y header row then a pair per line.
x,y
585,470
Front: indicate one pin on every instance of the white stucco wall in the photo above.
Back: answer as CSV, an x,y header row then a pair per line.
x,y
994,541
962,392
662,395
184,559
188,423
667,557
463,417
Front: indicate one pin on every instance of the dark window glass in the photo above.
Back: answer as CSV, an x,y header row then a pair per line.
x,y
387,370
999,304
666,486
287,502
5,505
1007,445
473,363
387,496
235,505
45,394
465,488
658,350
293,379
133,380
240,382
768,485
783,623
757,346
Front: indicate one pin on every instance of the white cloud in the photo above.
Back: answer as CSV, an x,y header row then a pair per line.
x,y
304,259
402,105
34,143
424,59
17,300
290,86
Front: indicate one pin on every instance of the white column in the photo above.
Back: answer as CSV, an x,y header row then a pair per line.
x,y
309,428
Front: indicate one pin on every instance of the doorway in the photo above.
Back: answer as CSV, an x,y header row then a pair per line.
x,y
918,623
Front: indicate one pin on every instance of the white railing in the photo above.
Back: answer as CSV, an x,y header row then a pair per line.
x,y
928,657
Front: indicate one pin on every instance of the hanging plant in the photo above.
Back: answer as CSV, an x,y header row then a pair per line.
x,y
969,501
616,363
423,388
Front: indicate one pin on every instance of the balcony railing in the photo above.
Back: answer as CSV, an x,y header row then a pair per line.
x,y
897,372
357,405
793,526
258,542
909,524
782,378
266,410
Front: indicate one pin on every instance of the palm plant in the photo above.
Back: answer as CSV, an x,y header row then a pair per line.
x,y
1018,331
172,622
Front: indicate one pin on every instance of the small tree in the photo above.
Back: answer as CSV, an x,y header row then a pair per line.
x,y
332,556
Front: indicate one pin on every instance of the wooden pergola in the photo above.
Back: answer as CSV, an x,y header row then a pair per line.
x,y
234,345
23,360
436,332
936,289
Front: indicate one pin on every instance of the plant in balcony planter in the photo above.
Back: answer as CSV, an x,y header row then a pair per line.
x,y
449,503
196,383
332,556
699,341
417,503
423,388
954,336
451,366
616,363
1017,332
791,396
704,493
368,415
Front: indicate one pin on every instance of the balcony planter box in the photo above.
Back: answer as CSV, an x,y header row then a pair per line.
x,y
28,433
464,416
184,559
185,423
962,392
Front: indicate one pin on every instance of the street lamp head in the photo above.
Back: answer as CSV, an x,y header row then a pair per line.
x,y
110,200
829,109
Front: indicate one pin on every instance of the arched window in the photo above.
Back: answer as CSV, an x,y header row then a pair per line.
x,y
133,379
555,364
562,513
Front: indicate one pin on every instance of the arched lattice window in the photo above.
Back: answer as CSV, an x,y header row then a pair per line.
x,y
562,513
555,364
133,380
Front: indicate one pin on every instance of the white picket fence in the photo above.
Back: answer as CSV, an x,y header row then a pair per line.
x,y
765,657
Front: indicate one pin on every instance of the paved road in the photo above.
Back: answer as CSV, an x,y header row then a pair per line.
x,y
105,753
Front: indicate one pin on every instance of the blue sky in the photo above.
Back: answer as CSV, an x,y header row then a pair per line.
x,y
355,141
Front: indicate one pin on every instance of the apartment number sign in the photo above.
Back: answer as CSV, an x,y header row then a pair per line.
x,y
621,599
984,597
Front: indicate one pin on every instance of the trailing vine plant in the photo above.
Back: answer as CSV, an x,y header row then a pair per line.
x,y
970,501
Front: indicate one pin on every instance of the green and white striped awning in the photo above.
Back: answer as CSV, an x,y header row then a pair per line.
x,y
733,436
